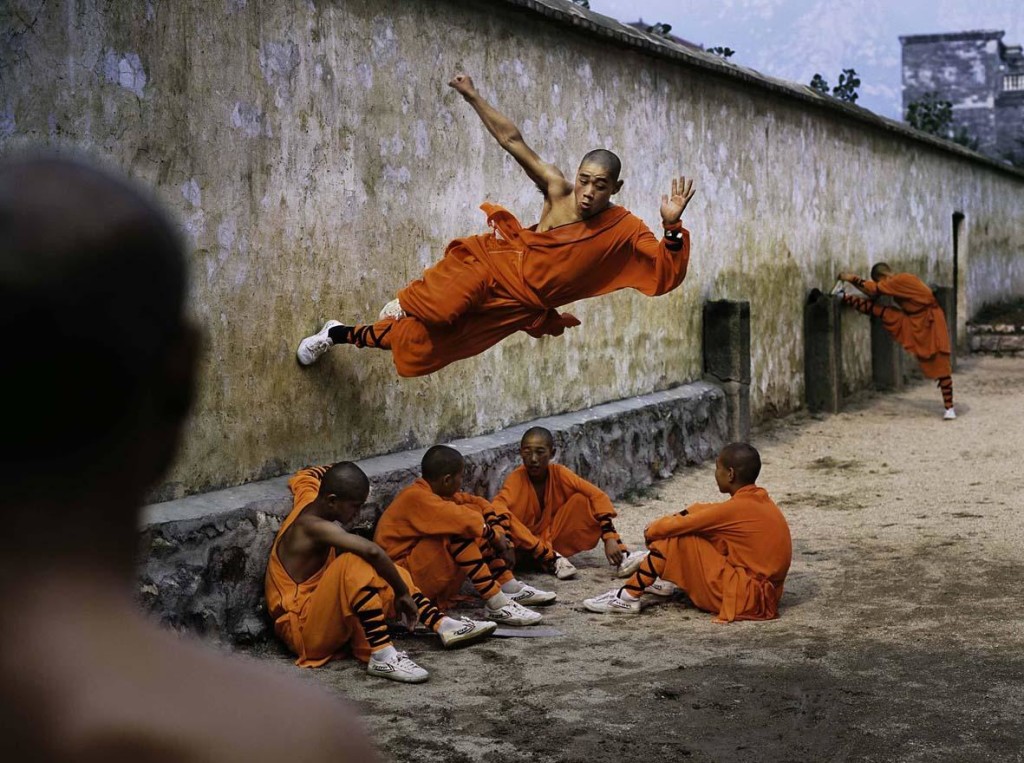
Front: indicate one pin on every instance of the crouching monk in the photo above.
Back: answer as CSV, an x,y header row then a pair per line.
x,y
329,590
552,513
918,323
730,558
490,286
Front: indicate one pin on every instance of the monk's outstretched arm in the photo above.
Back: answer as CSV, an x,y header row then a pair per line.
x,y
868,287
548,177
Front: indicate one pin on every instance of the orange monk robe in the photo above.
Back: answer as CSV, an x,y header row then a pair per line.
x,y
490,286
731,558
575,516
416,529
315,618
920,326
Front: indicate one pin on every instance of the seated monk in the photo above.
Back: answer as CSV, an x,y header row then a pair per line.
x,y
440,535
329,590
918,323
512,279
552,513
730,558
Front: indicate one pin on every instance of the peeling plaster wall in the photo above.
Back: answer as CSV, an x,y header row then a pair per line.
x,y
317,162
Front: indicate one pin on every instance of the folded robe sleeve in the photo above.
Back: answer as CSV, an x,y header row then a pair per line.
x,y
695,519
666,258
435,516
305,485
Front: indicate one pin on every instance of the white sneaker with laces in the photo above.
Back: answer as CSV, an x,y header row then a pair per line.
x,y
313,347
513,613
471,631
392,309
397,668
564,569
631,563
530,596
610,603
950,414
662,588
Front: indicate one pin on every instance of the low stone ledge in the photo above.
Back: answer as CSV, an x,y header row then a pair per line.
x,y
202,558
996,339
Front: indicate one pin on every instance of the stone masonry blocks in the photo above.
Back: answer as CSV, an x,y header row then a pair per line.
x,y
886,356
727,359
823,356
946,297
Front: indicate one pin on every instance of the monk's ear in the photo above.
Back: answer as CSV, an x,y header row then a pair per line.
x,y
617,187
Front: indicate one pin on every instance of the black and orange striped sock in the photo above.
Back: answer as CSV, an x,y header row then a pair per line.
x,y
650,570
946,385
364,334
866,306
369,609
429,614
497,566
467,555
608,531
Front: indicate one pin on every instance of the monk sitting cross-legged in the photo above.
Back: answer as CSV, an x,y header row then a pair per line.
x,y
441,536
730,558
918,323
329,590
512,279
552,513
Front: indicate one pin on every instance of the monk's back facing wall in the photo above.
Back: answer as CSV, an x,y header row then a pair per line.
x,y
324,163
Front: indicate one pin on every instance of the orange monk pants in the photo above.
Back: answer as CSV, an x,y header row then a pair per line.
x,y
456,285
569,529
328,626
696,566
439,576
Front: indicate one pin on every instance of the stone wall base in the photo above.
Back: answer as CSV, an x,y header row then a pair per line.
x,y
1001,339
203,557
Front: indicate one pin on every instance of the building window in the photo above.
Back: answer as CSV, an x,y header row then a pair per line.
x,y
1013,82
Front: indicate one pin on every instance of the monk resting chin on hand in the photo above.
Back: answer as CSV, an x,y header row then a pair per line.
x,y
490,286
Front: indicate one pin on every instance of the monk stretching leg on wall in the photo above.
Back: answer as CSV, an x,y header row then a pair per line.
x,y
512,279
551,512
918,323
329,591
730,558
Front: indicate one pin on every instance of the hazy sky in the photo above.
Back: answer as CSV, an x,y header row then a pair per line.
x,y
794,39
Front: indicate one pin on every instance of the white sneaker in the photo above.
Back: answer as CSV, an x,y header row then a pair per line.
x,y
532,596
312,347
950,414
611,603
398,668
631,563
662,588
564,569
392,309
471,631
513,613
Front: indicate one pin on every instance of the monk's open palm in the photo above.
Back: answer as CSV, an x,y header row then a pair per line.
x,y
672,206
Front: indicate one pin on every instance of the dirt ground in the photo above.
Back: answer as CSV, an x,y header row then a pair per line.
x,y
900,636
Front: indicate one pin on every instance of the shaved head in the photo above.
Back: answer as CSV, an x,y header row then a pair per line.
x,y
606,160
345,480
880,269
440,461
538,432
743,459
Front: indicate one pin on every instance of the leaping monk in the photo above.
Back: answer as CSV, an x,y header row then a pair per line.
x,y
511,279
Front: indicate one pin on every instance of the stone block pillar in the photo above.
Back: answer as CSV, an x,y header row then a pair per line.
x,y
946,297
727,360
823,353
886,356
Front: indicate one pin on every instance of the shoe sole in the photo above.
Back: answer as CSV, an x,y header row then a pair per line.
x,y
598,610
625,572
536,602
479,634
398,678
326,327
515,623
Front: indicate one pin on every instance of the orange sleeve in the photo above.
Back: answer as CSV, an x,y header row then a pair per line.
x,y
429,514
490,512
670,259
695,519
867,286
602,503
305,485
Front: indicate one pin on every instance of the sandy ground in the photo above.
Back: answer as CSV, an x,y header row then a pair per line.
x,y
900,636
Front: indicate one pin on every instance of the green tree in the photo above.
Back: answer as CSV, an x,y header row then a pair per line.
x,y
934,115
583,3
819,84
724,52
846,90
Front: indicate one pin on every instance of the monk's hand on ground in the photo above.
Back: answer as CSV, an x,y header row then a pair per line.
x,y
504,548
405,610
462,84
613,551
672,205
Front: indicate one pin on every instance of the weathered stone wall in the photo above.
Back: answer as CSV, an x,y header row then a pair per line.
x,y
318,161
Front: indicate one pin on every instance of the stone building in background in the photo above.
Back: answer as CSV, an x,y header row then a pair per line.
x,y
983,79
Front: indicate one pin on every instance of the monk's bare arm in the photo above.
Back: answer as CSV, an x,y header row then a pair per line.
x,y
548,177
330,534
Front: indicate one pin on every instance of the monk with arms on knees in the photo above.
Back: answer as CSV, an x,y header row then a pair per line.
x,y
730,558
490,286
443,536
551,513
329,590
918,323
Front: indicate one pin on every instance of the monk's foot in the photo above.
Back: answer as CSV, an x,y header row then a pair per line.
x,y
630,563
512,613
312,348
563,568
839,290
613,604
464,632
395,666
663,588
392,309
532,597
950,414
